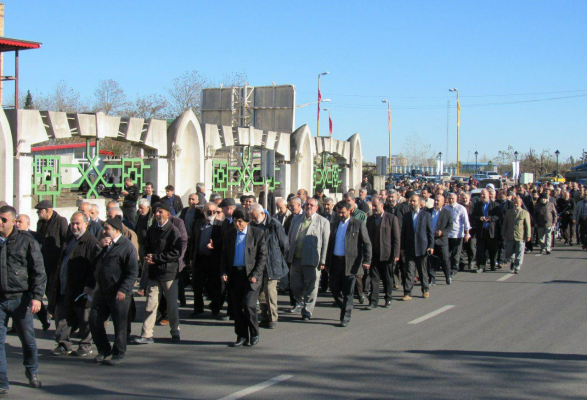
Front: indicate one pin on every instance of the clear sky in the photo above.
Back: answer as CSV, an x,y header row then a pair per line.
x,y
410,52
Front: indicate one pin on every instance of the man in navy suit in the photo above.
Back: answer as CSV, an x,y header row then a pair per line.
x,y
417,242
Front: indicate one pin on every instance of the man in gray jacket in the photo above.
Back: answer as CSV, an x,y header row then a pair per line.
x,y
308,242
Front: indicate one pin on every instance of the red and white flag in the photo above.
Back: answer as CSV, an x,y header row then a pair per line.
x,y
319,100
330,124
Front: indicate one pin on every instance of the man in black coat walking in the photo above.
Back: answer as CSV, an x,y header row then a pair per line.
x,y
243,261
131,196
349,251
74,277
417,242
117,270
442,221
486,216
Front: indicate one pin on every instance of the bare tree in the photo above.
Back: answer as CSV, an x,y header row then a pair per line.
x,y
149,106
186,93
417,151
62,98
109,97
234,79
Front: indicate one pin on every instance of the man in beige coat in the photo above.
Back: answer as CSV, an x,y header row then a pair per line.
x,y
516,231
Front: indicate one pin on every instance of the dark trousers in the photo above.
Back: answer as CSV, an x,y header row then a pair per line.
x,y
455,246
323,280
206,274
104,306
399,273
363,285
567,229
70,318
468,253
132,314
440,259
342,287
23,321
244,296
292,300
582,222
501,260
486,244
129,213
412,264
380,271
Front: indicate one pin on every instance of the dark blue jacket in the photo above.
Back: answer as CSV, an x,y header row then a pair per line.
x,y
416,244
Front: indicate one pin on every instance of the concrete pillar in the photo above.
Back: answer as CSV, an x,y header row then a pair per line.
x,y
158,174
23,173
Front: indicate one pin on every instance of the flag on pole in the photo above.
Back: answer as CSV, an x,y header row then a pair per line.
x,y
330,123
319,100
458,113
389,119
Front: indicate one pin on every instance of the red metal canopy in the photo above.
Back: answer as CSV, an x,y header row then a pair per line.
x,y
9,44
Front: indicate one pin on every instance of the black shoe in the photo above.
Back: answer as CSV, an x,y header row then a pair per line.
x,y
46,325
344,324
570,243
3,393
60,351
101,357
371,306
511,266
305,317
254,340
143,340
387,304
498,266
362,299
264,324
541,251
449,280
219,317
547,252
11,331
34,381
183,304
432,282
272,325
240,342
82,352
493,268
175,338
196,313
295,309
115,360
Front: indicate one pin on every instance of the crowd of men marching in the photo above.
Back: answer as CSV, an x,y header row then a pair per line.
x,y
241,256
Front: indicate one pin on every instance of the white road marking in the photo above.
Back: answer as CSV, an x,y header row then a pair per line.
x,y
505,277
260,386
430,315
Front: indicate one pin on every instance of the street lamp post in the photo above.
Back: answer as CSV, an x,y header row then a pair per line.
x,y
557,153
389,129
319,101
518,174
440,163
458,124
476,167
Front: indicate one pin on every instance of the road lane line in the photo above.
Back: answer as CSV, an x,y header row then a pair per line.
x,y
505,277
260,386
430,315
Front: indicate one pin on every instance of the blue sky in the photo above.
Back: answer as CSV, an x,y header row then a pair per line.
x,y
410,52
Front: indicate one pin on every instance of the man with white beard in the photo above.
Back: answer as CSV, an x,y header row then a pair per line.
x,y
74,277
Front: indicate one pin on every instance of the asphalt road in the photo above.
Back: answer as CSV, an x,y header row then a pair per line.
x,y
524,337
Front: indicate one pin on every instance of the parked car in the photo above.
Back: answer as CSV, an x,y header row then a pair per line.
x,y
552,178
577,173
446,176
494,175
480,176
417,173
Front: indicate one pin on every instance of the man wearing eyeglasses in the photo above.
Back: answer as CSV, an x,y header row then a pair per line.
x,y
206,248
308,241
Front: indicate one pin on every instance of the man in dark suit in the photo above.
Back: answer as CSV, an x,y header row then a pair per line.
x,y
384,233
131,196
150,194
172,200
417,242
393,207
505,205
242,264
441,225
94,227
206,247
228,206
486,215
349,251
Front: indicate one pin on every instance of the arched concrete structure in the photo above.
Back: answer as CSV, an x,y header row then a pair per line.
x,y
303,151
186,154
6,161
356,162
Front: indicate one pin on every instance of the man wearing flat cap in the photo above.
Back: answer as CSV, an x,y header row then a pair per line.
x,y
228,206
53,229
117,269
163,250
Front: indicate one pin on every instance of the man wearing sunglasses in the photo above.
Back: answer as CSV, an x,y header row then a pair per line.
x,y
206,247
21,289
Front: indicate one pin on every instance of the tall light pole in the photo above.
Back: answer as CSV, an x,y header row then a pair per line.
x,y
557,153
389,129
319,101
458,124
476,167
518,172
440,163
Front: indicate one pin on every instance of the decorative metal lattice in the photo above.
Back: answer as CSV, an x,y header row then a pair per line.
x,y
327,175
48,170
225,176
